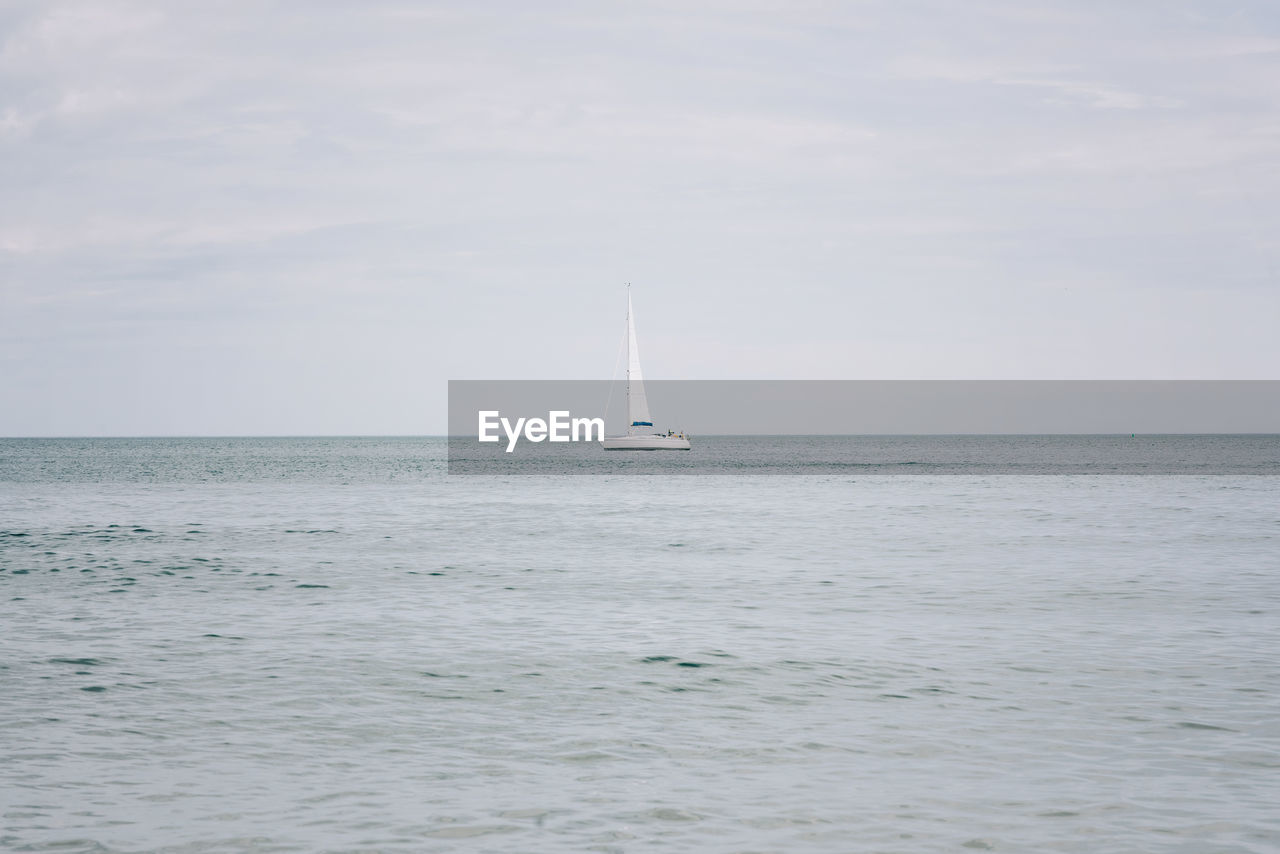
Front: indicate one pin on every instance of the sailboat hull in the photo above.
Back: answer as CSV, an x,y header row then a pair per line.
x,y
646,443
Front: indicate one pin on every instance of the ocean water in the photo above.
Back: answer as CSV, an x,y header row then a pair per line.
x,y
332,645
806,456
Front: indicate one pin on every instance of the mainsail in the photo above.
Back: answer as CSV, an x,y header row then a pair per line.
x,y
638,419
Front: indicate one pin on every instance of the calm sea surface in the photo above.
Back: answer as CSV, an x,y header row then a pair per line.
x,y
331,645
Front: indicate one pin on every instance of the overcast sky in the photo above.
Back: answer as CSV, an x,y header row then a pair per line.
x,y
302,218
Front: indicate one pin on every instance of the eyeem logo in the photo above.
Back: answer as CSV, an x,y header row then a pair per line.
x,y
558,427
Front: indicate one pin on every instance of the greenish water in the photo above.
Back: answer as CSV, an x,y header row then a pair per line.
x,y
333,645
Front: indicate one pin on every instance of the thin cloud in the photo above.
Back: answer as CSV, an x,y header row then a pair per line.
x,y
875,189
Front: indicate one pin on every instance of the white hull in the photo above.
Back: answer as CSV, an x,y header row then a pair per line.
x,y
646,443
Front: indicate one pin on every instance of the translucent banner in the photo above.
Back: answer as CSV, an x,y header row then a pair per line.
x,y
877,427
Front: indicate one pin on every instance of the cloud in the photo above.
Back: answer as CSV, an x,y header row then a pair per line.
x,y
414,179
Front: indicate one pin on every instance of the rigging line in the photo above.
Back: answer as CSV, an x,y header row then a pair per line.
x,y
613,378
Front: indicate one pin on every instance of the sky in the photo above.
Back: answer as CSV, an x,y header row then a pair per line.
x,y
299,218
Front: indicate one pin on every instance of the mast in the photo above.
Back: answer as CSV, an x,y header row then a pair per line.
x,y
628,357
637,404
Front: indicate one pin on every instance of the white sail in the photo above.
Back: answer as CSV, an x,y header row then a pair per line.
x,y
638,418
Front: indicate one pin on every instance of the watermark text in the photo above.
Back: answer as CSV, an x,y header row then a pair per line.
x,y
558,426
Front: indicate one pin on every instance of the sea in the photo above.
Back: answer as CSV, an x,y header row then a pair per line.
x,y
337,645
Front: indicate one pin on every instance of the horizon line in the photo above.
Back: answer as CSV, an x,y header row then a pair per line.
x,y
698,435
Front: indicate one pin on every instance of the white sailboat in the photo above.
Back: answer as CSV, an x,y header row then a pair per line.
x,y
640,433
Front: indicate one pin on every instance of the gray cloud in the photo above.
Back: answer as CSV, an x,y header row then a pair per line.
x,y
305,217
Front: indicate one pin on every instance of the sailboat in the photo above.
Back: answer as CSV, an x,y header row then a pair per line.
x,y
640,433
